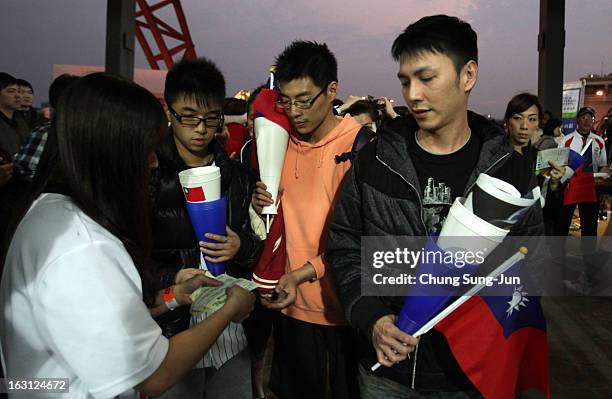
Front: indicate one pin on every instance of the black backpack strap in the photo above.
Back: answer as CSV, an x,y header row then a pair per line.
x,y
363,137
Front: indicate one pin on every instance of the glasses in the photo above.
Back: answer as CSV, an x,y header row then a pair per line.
x,y
193,121
286,103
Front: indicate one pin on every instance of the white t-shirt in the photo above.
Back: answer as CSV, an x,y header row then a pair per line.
x,y
71,301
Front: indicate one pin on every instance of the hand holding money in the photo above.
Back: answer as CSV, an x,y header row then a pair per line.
x,y
212,298
240,301
183,291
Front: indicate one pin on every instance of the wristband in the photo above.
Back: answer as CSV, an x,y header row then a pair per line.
x,y
169,299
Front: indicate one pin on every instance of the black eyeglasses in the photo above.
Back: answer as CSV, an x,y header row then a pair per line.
x,y
286,103
193,121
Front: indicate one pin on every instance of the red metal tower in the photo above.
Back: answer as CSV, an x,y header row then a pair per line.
x,y
169,40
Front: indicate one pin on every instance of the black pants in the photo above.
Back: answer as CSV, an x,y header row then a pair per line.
x,y
258,328
309,358
589,211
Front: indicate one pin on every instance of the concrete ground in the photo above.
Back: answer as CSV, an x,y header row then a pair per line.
x,y
580,339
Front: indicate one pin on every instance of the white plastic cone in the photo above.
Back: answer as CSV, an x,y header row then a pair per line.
x,y
201,184
272,140
465,231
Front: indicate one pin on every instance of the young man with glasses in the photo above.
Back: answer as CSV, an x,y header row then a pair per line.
x,y
312,342
194,94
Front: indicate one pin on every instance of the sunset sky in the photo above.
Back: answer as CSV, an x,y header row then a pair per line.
x,y
243,37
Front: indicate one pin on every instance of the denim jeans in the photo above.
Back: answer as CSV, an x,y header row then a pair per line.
x,y
375,387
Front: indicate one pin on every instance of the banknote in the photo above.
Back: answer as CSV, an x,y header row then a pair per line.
x,y
211,299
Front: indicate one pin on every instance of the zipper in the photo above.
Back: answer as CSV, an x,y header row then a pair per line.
x,y
416,351
413,187
467,190
426,232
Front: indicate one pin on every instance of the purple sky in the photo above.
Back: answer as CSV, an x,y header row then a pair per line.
x,y
243,42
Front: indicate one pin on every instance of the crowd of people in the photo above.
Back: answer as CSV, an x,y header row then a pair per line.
x,y
99,257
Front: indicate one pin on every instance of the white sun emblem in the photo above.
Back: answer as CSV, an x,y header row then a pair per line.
x,y
519,298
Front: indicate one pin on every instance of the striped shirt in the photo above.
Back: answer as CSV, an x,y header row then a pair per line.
x,y
231,341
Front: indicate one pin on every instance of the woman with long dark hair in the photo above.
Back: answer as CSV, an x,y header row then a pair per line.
x,y
77,284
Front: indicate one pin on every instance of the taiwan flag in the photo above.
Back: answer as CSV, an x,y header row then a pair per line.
x,y
194,194
581,186
500,343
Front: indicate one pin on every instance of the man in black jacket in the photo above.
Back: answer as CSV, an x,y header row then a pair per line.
x,y
194,94
388,190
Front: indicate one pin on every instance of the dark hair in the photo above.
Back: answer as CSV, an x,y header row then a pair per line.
x,y
364,107
550,126
97,152
234,106
6,80
199,80
520,103
337,102
303,59
438,34
24,83
58,86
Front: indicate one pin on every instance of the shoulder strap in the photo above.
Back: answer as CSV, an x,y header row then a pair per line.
x,y
363,137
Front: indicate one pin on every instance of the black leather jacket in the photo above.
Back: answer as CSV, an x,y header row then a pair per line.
x,y
175,245
380,196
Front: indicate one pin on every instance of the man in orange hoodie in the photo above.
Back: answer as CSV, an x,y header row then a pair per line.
x,y
312,341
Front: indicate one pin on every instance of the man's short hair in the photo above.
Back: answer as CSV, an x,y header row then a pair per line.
x,y
364,107
199,80
24,83
58,86
438,34
6,80
302,59
234,106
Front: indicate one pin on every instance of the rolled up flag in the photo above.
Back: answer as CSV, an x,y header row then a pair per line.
x,y
271,264
272,129
270,123
205,206
201,184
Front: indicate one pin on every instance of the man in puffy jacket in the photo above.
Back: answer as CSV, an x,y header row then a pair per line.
x,y
438,151
194,94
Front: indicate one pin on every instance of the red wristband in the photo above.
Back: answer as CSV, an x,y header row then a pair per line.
x,y
168,293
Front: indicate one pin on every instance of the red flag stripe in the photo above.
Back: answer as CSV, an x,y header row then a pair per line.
x,y
499,367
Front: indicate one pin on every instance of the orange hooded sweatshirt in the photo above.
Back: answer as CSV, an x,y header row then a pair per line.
x,y
310,181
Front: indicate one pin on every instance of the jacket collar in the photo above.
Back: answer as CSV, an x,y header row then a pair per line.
x,y
392,148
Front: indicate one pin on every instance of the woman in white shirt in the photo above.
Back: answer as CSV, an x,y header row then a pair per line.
x,y
77,290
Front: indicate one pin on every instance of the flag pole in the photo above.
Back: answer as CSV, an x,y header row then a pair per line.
x,y
507,264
